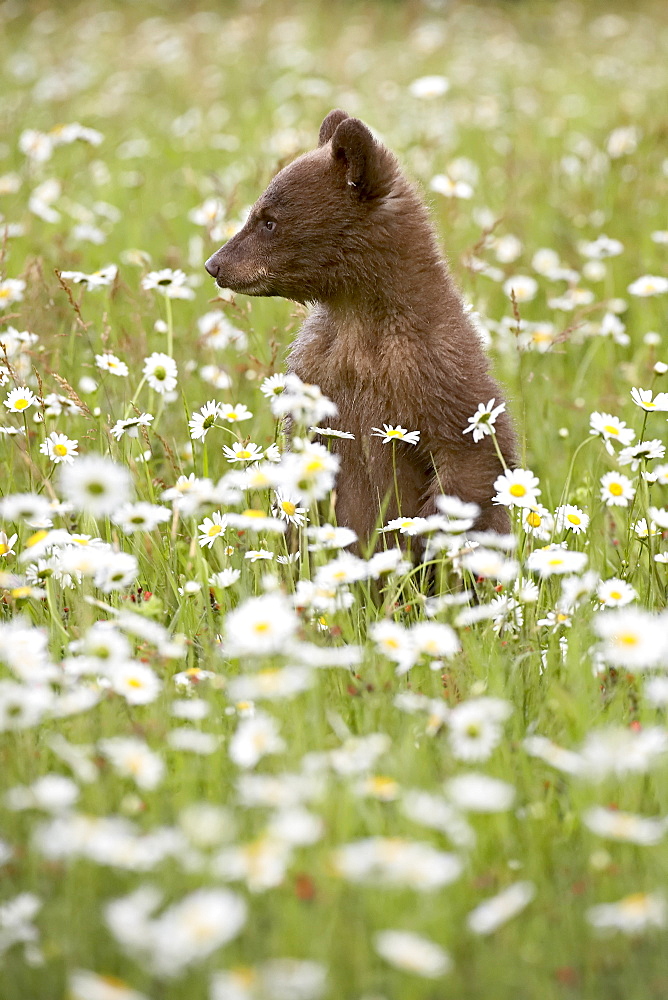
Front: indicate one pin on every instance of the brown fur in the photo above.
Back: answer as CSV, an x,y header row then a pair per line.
x,y
388,339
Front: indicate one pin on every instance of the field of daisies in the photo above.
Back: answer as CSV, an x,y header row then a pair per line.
x,y
243,757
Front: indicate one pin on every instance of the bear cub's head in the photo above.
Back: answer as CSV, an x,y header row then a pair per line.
x,y
311,236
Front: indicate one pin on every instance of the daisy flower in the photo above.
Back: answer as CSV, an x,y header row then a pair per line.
x,y
646,451
7,544
201,423
449,188
20,399
258,555
632,915
570,518
483,420
98,279
273,385
390,433
647,285
642,530
216,331
161,372
255,520
59,448
615,593
659,516
332,432
494,912
617,490
600,248
517,488
170,283
136,682
260,626
215,376
643,398
555,559
209,213
243,452
110,363
610,428
225,578
95,484
287,508
140,516
412,953
425,88
522,286
212,528
537,521
234,414
11,290
131,426
631,638
407,525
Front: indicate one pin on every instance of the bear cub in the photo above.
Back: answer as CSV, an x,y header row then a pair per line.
x,y
388,338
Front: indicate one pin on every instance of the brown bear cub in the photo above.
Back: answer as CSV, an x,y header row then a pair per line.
x,y
388,339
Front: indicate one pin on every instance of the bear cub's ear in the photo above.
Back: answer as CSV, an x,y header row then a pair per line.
x,y
330,124
361,157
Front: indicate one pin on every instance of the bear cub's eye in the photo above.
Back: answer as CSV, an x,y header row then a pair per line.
x,y
269,225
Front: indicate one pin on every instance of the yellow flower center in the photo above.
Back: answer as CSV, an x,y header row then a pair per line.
x,y
37,537
574,519
134,683
315,465
610,429
4,293
261,627
253,512
615,489
60,450
628,639
215,529
533,519
391,643
20,592
635,903
615,595
288,508
517,490
20,404
244,453
4,549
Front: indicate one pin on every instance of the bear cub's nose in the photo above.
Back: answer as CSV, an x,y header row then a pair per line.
x,y
212,266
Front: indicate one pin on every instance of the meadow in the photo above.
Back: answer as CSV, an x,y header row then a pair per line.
x,y
240,761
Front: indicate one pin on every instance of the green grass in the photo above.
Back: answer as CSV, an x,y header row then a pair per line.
x,y
221,100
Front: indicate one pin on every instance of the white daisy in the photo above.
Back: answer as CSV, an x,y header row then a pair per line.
x,y
517,488
617,490
390,433
211,529
483,420
20,399
201,423
161,372
170,283
110,363
243,452
571,518
59,448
